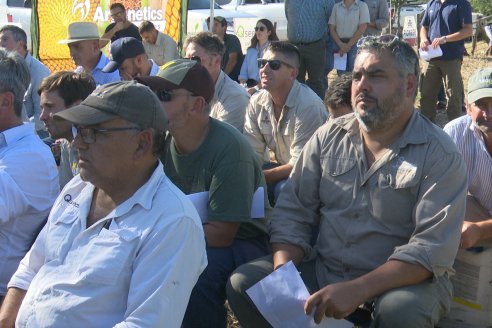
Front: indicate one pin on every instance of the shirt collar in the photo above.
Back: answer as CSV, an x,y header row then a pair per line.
x,y
16,133
292,97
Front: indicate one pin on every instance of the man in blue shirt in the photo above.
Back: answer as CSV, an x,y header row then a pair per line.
x,y
307,23
445,24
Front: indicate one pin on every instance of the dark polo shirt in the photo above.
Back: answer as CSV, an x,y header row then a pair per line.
x,y
446,18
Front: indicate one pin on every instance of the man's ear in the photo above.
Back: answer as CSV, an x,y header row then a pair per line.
x,y
198,105
144,143
7,99
412,86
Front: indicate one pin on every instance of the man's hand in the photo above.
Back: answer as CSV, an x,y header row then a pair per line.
x,y
437,41
470,234
344,48
335,300
424,44
118,27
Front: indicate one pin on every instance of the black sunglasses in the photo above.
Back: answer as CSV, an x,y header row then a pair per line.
x,y
165,95
260,28
196,58
274,63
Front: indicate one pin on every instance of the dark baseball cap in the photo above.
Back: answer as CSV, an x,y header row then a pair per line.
x,y
121,49
129,100
182,74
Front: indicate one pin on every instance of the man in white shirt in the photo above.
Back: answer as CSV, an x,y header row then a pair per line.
x,y
472,134
123,246
13,38
230,99
58,92
28,175
160,47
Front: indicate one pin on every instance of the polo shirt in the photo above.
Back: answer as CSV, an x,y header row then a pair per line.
x,y
446,18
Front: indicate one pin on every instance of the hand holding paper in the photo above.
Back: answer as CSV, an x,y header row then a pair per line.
x,y
430,53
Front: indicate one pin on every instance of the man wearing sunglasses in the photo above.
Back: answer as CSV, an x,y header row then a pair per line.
x,y
122,246
372,211
230,99
203,154
120,27
282,116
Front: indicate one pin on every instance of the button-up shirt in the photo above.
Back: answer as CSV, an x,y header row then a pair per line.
x,y
302,114
99,76
379,14
31,99
164,49
347,20
229,102
28,188
138,271
407,206
469,140
307,20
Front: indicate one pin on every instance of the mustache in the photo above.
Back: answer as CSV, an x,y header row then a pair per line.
x,y
363,96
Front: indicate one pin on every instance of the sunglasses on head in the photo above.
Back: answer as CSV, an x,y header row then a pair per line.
x,y
385,39
274,63
260,28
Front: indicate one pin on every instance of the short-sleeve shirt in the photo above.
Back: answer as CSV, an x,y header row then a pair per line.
x,y
232,45
446,18
130,31
347,20
225,166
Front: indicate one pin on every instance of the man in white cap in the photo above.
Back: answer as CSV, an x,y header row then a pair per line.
x,y
472,134
123,246
129,58
83,42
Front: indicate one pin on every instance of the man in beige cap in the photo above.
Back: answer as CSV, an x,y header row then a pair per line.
x,y
83,42
123,247
472,134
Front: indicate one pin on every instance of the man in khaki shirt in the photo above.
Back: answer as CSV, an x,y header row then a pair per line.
x,y
230,99
282,116
372,212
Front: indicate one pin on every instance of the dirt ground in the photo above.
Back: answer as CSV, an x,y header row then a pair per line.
x,y
470,64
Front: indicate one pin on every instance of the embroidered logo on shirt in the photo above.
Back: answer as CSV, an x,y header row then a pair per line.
x,y
68,199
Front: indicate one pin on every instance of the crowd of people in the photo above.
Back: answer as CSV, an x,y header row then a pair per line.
x,y
143,211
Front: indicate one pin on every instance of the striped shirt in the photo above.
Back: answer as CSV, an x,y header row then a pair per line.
x,y
307,20
478,161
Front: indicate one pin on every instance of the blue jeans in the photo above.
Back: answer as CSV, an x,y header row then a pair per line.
x,y
350,58
206,305
329,61
273,189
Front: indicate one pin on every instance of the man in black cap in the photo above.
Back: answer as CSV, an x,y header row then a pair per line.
x,y
129,57
122,246
203,154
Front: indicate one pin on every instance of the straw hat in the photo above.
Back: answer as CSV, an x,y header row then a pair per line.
x,y
80,31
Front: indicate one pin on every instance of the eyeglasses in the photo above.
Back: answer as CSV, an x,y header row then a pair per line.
x,y
260,28
88,135
274,63
117,14
383,39
166,96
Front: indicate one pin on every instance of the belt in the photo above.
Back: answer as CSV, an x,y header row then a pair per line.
x,y
306,43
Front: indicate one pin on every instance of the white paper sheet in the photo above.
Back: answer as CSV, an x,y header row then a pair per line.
x,y
430,53
280,298
200,200
340,63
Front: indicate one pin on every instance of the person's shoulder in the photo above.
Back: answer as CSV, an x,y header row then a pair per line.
x,y
434,135
109,27
233,89
229,138
458,124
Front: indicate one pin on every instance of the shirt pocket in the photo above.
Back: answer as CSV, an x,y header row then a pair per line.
x,y
109,254
394,196
338,181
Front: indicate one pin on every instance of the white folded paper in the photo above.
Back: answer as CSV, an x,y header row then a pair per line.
x,y
280,298
430,53
340,62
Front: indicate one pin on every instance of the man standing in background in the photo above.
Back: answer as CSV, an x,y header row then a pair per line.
x,y
379,14
445,24
307,24
120,27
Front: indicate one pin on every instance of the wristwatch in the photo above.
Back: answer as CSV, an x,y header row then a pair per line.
x,y
445,39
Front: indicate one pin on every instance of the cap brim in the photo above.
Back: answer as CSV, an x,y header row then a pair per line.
x,y
479,94
77,40
84,115
111,67
156,83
